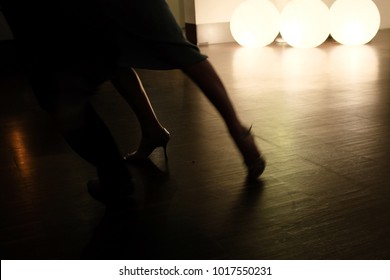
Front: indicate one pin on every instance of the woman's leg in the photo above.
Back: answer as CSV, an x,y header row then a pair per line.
x,y
129,86
204,75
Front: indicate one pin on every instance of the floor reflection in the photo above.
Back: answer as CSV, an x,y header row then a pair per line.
x,y
352,65
20,150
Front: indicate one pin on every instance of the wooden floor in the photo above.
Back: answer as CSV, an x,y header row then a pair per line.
x,y
321,117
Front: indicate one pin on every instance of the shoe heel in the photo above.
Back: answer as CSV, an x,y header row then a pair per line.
x,y
165,151
147,146
256,168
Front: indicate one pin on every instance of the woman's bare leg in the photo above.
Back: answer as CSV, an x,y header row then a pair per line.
x,y
154,135
129,86
204,75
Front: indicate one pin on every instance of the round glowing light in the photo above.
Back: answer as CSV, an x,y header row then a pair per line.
x,y
305,23
255,23
354,22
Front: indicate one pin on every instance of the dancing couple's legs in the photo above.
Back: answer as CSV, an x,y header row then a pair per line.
x,y
204,75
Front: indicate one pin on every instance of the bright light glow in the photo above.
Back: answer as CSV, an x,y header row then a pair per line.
x,y
255,23
354,22
305,23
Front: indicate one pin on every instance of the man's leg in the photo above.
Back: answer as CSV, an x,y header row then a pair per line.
x,y
66,97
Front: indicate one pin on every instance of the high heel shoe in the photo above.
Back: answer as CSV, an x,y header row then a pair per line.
x,y
255,168
253,159
148,145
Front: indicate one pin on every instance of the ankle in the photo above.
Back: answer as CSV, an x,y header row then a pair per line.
x,y
240,133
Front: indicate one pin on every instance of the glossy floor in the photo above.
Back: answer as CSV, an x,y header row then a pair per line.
x,y
321,117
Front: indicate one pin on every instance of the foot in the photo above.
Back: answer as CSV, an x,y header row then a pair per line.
x,y
255,168
253,159
148,145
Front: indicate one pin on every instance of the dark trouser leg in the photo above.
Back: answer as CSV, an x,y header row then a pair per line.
x,y
65,97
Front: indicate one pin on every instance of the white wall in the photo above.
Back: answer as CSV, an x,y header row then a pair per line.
x,y
384,10
216,11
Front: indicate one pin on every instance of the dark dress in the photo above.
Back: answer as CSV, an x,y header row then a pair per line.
x,y
139,34
149,36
